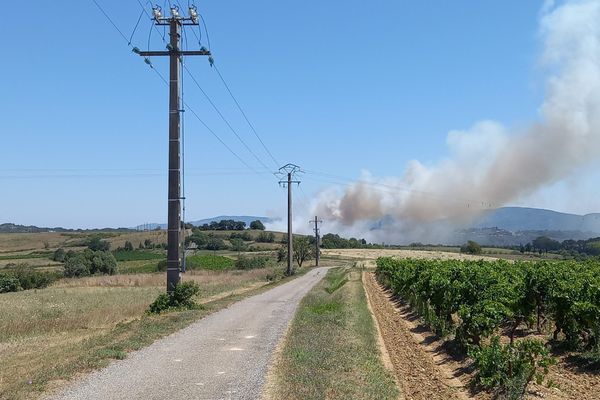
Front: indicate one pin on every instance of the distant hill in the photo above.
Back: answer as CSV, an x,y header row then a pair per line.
x,y
244,218
515,219
14,228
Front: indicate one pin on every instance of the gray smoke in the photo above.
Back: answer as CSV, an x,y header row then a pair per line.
x,y
489,165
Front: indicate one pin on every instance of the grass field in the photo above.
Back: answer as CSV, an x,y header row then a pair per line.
x,y
47,336
331,350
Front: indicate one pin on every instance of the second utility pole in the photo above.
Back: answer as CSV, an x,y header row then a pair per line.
x,y
175,23
291,169
317,221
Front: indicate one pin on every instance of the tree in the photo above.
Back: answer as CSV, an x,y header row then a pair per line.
x,y
302,250
128,246
257,225
59,255
77,266
266,237
215,243
97,244
148,244
471,247
545,244
238,245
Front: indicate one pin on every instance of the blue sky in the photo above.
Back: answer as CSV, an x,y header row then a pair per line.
x,y
335,87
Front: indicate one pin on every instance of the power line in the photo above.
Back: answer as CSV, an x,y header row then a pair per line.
x,y
244,114
224,119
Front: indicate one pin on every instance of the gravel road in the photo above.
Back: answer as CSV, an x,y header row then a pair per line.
x,y
223,356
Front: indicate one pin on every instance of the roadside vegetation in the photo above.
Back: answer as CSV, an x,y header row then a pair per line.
x,y
331,349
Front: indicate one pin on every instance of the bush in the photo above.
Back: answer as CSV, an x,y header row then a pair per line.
x,y
257,225
97,244
89,263
128,246
59,255
215,243
508,369
182,298
161,266
252,262
77,266
9,284
471,247
31,279
266,237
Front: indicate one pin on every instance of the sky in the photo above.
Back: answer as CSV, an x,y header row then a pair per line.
x,y
336,87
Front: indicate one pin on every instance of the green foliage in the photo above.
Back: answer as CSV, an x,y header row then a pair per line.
x,y
303,250
182,298
162,265
209,261
224,225
59,255
29,278
258,225
252,262
136,255
89,263
9,284
244,235
471,247
509,368
238,244
128,246
282,254
215,243
266,237
95,243
197,237
333,241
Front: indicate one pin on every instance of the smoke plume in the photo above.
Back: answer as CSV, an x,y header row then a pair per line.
x,y
490,165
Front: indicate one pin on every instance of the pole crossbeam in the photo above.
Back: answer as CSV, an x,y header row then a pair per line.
x,y
175,23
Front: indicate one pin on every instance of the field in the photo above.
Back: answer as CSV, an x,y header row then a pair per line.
x,y
49,335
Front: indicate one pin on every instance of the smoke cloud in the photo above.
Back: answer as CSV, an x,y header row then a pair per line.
x,y
489,165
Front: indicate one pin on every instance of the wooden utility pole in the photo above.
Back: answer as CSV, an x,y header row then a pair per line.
x,y
317,221
290,169
175,23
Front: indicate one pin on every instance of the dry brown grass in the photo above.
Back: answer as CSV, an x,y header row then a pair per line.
x,y
43,329
373,254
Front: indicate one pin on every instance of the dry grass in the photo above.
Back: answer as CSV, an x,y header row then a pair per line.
x,y
373,254
44,334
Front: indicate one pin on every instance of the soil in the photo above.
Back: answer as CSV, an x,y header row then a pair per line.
x,y
427,368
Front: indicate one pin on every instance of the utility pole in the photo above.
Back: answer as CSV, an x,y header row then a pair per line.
x,y
291,170
317,221
175,22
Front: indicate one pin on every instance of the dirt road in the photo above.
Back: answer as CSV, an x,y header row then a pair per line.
x,y
224,356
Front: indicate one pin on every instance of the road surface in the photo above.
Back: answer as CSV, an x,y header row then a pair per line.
x,y
223,356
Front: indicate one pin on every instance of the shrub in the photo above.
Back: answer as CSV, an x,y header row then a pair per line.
x,y
252,262
471,247
77,266
31,279
161,266
266,237
103,262
59,255
215,243
96,244
257,225
9,284
508,369
128,246
182,298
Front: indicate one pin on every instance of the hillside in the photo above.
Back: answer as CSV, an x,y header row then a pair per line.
x,y
515,219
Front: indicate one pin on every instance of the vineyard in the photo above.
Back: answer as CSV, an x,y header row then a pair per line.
x,y
507,317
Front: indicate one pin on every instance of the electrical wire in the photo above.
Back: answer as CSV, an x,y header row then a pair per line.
x,y
277,164
224,119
